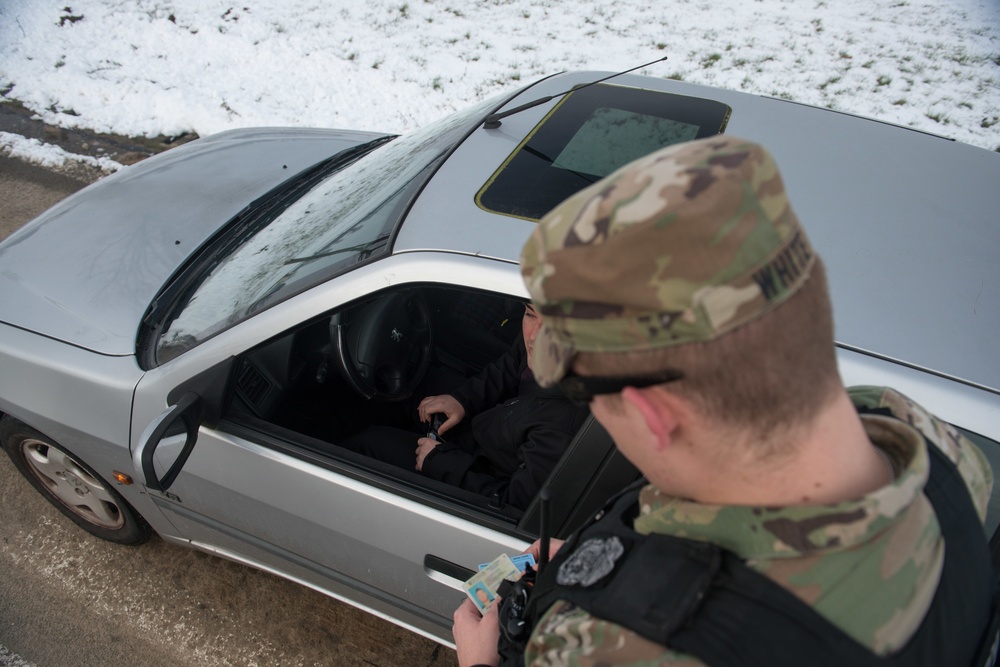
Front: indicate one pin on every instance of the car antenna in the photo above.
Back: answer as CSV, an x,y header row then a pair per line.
x,y
544,496
493,120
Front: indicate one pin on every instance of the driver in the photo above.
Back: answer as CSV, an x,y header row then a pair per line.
x,y
502,433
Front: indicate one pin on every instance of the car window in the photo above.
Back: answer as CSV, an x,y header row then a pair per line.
x,y
333,219
311,393
592,132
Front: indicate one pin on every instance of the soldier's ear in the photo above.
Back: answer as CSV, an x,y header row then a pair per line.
x,y
659,410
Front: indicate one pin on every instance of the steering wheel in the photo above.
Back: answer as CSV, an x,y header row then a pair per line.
x,y
383,348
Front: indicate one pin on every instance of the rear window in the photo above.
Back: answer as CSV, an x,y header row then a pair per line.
x,y
589,134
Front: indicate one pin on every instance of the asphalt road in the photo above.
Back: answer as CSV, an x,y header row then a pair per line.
x,y
68,599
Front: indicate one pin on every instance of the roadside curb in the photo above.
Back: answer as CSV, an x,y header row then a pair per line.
x,y
15,118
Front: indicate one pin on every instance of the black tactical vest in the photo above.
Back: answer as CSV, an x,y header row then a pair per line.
x,y
703,600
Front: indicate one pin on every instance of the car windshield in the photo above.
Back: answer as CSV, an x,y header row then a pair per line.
x,y
300,236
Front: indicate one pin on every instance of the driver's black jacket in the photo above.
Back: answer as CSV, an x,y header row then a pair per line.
x,y
518,432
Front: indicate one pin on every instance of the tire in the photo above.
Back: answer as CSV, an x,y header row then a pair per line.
x,y
71,485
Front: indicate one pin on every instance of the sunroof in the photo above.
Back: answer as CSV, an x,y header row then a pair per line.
x,y
589,134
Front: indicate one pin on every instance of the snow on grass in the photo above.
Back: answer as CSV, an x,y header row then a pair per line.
x,y
175,66
48,155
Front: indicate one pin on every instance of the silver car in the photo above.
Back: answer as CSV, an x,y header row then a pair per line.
x,y
184,343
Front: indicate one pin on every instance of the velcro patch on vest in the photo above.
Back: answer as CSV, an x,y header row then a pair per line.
x,y
592,561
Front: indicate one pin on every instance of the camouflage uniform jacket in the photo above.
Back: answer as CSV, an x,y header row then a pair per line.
x,y
870,565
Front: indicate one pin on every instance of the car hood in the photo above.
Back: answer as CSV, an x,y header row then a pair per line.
x,y
86,270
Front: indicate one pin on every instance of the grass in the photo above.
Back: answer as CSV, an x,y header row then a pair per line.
x,y
710,60
829,82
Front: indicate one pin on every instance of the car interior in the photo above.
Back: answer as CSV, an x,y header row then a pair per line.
x,y
370,363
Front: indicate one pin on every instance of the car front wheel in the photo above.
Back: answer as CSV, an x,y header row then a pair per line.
x,y
71,485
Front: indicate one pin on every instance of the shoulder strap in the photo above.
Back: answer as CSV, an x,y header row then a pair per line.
x,y
705,601
750,620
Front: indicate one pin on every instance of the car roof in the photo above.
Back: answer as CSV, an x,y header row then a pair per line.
x,y
905,221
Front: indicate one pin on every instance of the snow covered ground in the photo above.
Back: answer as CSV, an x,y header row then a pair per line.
x,y
165,67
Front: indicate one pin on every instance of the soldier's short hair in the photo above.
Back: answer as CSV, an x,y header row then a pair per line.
x,y
772,373
682,258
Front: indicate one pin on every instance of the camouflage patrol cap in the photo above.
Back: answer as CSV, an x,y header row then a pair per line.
x,y
680,246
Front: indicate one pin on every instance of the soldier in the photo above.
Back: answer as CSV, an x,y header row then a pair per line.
x,y
786,518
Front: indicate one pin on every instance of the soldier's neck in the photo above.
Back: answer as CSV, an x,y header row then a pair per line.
x,y
830,461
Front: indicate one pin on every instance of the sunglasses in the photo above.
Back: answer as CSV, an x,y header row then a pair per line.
x,y
581,389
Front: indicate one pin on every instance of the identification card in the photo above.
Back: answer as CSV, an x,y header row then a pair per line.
x,y
521,561
483,585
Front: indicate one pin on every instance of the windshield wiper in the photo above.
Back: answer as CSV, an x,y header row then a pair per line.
x,y
361,248
249,221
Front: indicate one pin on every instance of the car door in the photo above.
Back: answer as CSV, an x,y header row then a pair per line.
x,y
326,529
255,496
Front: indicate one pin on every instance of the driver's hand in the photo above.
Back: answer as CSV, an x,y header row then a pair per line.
x,y
424,447
446,404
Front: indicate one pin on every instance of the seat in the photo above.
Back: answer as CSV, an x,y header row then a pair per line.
x,y
589,472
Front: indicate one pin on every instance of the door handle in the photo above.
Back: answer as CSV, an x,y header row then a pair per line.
x,y
447,573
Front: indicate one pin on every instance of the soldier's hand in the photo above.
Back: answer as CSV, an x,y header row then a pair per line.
x,y
476,636
535,548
